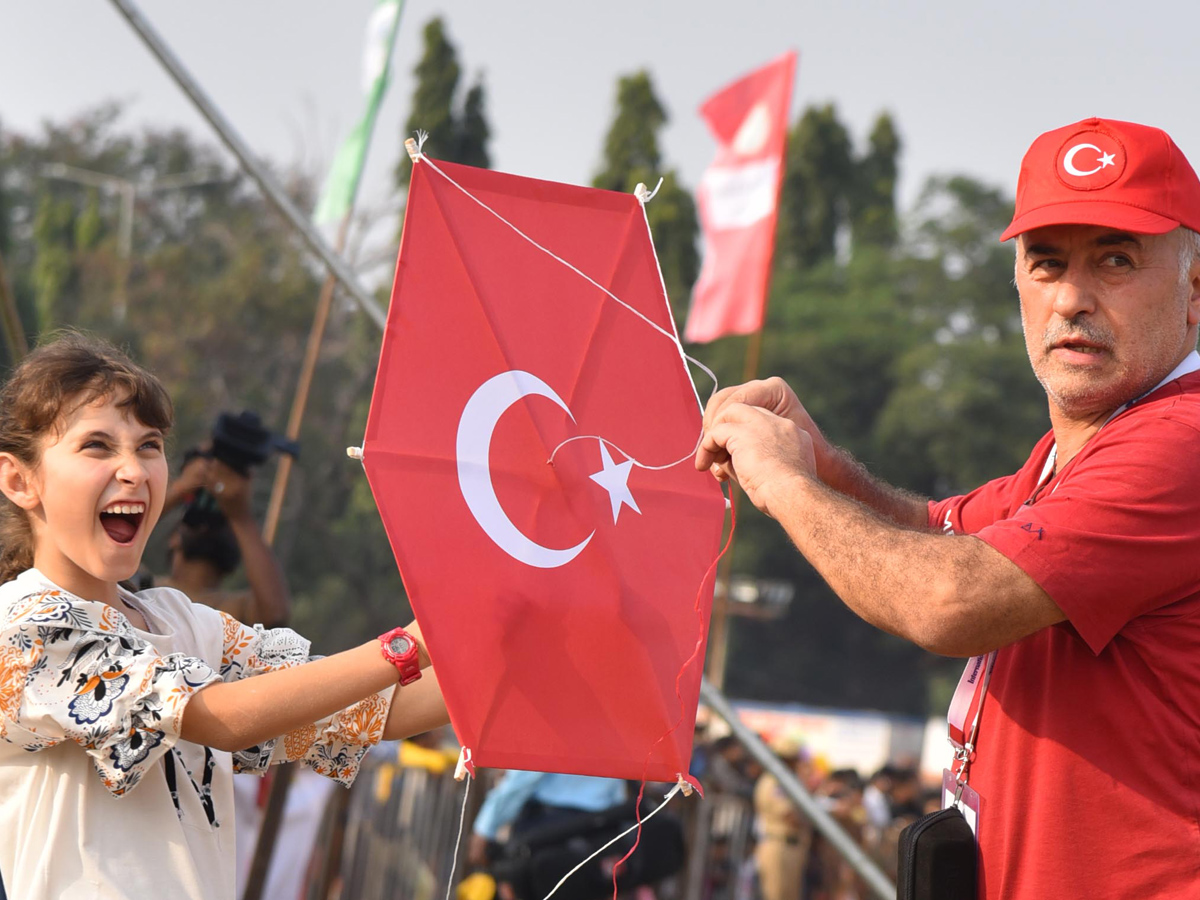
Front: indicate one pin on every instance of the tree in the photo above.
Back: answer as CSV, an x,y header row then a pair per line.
x,y
632,156
873,199
220,300
457,135
817,184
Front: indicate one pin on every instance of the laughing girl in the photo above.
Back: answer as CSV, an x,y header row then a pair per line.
x,y
124,716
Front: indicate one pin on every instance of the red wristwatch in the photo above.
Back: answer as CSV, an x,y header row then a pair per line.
x,y
401,650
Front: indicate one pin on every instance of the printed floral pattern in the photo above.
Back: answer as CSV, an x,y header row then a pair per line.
x,y
333,747
75,670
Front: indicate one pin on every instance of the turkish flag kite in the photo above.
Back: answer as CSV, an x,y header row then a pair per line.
x,y
738,200
559,602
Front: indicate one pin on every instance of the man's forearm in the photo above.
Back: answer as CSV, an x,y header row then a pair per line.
x,y
951,595
846,475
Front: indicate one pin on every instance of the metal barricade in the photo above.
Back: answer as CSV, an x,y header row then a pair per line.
x,y
398,839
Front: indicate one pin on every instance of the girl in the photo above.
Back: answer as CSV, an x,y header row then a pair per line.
x,y
123,716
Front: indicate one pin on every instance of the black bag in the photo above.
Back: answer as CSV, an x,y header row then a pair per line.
x,y
937,858
535,861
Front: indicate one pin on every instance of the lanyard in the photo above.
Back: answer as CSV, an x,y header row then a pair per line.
x,y
966,707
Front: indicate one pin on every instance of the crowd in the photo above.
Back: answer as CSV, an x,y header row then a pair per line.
x,y
783,857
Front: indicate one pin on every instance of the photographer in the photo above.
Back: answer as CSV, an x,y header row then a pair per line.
x,y
217,531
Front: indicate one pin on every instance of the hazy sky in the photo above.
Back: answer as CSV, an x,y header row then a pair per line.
x,y
969,85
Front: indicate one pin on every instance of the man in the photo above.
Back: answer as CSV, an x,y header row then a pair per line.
x,y
784,837
1082,569
203,554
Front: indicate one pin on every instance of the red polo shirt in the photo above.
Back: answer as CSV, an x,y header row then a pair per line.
x,y
1089,747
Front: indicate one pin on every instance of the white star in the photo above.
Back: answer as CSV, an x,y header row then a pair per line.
x,y
1106,159
615,479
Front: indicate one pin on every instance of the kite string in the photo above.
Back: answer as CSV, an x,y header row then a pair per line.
x,y
696,654
638,463
462,818
671,336
667,799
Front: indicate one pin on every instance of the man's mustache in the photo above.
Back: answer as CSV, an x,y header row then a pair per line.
x,y
1079,329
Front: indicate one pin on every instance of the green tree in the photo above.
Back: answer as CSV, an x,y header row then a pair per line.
x,y
632,156
817,184
220,301
873,199
458,135
473,132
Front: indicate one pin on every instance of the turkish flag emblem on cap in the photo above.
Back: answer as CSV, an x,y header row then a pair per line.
x,y
1104,172
1090,160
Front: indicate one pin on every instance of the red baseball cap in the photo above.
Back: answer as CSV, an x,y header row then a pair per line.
x,y
1105,172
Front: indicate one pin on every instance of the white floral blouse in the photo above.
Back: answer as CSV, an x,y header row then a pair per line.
x,y
91,708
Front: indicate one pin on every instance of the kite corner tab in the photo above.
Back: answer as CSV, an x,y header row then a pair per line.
x,y
355,453
644,194
465,765
414,152
687,784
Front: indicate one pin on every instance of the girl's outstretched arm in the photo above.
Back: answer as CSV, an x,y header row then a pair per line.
x,y
416,708
235,715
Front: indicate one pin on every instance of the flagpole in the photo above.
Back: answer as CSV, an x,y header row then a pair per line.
x,y
719,624
312,353
361,141
14,331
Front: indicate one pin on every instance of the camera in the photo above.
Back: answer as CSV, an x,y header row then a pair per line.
x,y
241,442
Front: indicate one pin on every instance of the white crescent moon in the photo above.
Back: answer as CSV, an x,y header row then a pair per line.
x,y
1069,160
479,417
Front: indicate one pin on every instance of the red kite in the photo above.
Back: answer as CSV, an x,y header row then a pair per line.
x,y
558,601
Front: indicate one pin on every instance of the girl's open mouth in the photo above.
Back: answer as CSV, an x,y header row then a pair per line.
x,y
121,521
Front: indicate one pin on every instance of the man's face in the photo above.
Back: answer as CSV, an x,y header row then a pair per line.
x,y
1105,313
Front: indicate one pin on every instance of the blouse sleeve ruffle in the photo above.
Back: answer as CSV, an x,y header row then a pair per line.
x,y
335,746
79,672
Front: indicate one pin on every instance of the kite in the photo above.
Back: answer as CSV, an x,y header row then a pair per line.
x,y
530,412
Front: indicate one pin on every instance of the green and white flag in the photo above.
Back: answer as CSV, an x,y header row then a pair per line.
x,y
341,185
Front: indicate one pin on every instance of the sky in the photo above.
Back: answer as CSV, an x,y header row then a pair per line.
x,y
969,85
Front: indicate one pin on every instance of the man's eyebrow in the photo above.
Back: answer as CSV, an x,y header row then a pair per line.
x,y
1117,237
1041,249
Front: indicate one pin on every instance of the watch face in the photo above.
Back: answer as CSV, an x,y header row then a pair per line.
x,y
400,645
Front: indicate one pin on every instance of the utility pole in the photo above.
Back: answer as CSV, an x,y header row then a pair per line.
x,y
128,191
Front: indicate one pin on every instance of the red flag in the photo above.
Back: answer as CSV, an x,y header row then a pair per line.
x,y
558,601
738,198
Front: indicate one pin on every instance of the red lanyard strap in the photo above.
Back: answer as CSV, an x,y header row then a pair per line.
x,y
966,709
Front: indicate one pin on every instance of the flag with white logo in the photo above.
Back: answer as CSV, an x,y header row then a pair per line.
x,y
563,586
738,198
341,185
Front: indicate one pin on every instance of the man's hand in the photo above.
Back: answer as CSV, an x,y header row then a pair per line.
x,y
774,396
231,490
193,477
757,448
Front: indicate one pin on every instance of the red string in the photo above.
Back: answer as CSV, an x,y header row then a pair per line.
x,y
687,663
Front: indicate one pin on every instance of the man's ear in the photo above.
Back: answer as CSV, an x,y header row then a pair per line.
x,y
1194,293
17,484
